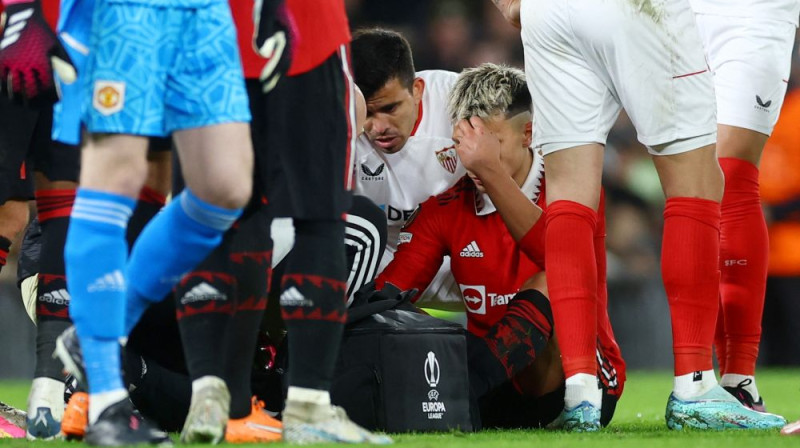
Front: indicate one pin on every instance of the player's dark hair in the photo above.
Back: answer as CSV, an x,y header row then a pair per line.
x,y
380,55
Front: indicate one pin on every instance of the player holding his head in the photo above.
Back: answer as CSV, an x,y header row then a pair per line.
x,y
492,226
585,61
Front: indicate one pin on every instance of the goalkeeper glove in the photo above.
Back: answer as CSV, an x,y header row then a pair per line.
x,y
30,53
274,34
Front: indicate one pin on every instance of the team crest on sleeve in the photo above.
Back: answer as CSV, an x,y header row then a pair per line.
x,y
447,158
108,97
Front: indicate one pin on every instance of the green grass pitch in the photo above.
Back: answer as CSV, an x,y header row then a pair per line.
x,y
638,423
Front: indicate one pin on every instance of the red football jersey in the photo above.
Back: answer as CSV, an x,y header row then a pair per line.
x,y
488,265
242,11
50,9
322,27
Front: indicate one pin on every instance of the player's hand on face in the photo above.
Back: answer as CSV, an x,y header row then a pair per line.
x,y
477,147
30,55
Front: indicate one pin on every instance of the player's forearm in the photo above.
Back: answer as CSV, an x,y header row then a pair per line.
x,y
519,213
510,10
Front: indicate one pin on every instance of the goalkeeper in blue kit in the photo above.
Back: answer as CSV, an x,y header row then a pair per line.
x,y
152,68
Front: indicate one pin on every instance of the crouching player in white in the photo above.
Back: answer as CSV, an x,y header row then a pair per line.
x,y
490,224
405,153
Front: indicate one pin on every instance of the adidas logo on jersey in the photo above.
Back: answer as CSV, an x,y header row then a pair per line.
x,y
293,297
471,251
203,292
113,281
57,297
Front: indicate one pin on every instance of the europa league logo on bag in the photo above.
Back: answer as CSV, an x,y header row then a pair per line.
x,y
432,370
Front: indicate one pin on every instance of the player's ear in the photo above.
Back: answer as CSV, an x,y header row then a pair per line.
x,y
417,88
528,140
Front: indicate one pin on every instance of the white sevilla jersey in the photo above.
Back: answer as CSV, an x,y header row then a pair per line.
x,y
781,10
433,119
425,167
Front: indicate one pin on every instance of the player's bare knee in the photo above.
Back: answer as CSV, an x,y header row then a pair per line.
x,y
693,173
230,193
115,164
14,216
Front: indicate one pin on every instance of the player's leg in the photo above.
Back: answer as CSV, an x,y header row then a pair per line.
x,y
684,155
514,344
56,166
751,69
671,106
125,103
571,128
250,257
16,132
207,113
14,216
205,300
112,173
22,133
534,398
312,189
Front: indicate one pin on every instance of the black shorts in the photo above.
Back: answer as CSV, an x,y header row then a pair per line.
x,y
302,132
26,146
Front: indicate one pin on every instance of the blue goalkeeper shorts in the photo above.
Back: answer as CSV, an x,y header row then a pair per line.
x,y
74,29
154,69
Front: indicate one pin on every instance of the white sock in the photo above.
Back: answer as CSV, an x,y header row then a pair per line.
x,y
734,379
694,384
315,396
100,402
207,381
582,387
47,393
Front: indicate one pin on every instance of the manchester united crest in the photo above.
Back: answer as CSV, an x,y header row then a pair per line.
x,y
109,96
447,158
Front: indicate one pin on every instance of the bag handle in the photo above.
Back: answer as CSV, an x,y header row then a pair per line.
x,y
368,301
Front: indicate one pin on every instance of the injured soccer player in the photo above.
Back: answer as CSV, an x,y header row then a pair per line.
x,y
491,224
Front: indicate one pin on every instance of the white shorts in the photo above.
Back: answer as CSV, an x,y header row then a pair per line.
x,y
751,60
585,59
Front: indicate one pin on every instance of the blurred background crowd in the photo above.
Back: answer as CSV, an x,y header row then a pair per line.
x,y
454,34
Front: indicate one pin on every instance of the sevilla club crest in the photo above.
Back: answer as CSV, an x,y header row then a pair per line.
x,y
447,158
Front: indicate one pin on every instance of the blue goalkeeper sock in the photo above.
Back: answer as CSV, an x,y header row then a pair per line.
x,y
95,255
171,245
103,364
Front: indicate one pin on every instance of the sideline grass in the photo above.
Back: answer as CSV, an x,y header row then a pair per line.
x,y
639,421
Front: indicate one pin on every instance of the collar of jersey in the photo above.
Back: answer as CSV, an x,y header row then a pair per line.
x,y
531,187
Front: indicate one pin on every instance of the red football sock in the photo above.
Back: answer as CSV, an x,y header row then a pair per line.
x,y
744,255
690,270
572,283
